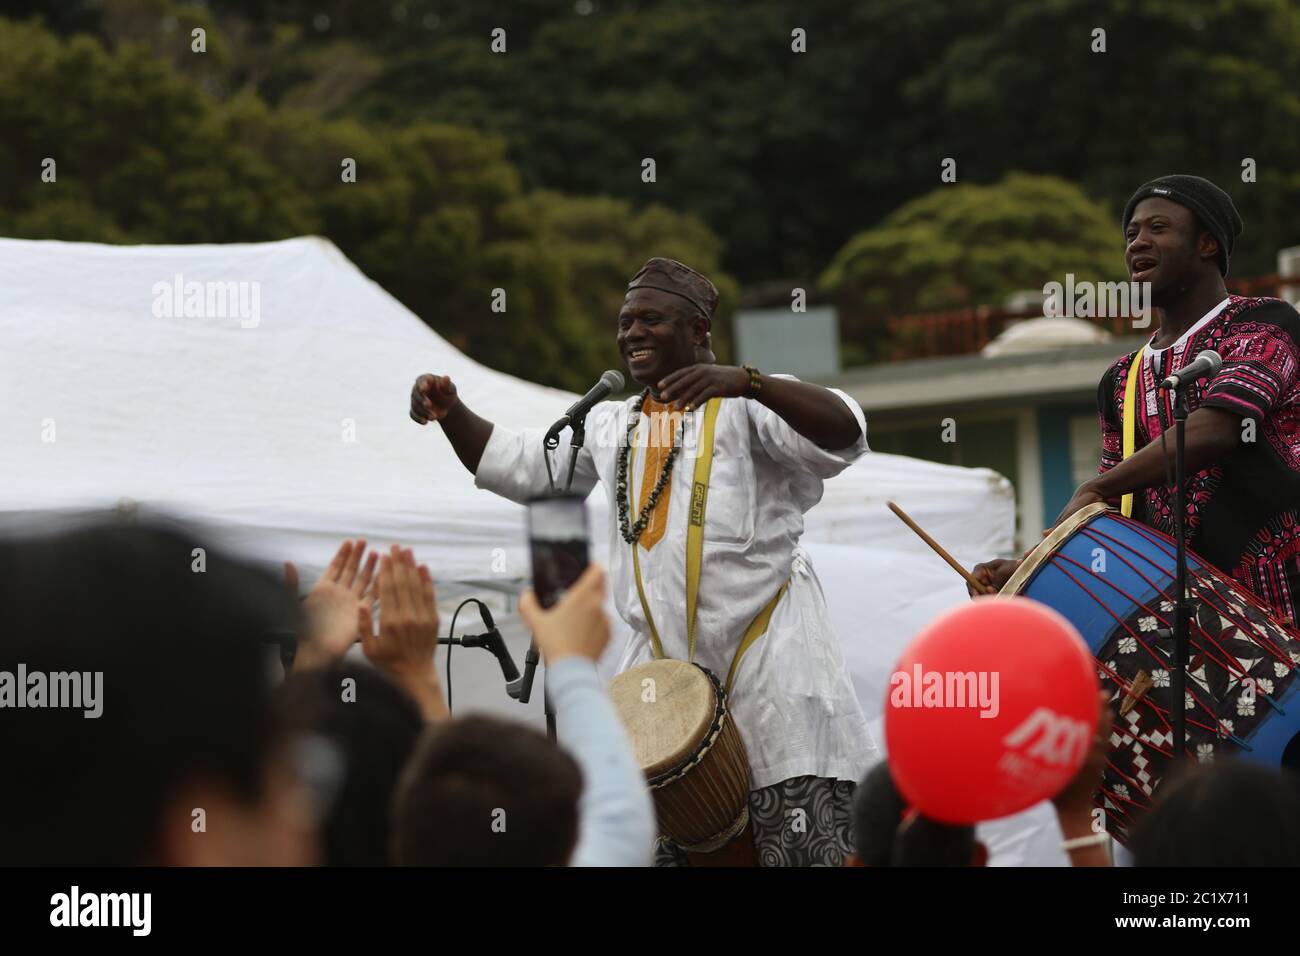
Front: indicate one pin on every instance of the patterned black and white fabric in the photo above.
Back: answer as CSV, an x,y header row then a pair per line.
x,y
1241,675
803,821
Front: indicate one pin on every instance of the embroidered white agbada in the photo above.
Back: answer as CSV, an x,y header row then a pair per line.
x,y
792,699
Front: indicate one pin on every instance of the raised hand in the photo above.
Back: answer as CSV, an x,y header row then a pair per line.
x,y
432,397
691,387
334,605
408,630
577,625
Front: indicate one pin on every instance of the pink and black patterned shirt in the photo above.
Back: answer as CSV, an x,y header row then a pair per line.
x,y
1243,512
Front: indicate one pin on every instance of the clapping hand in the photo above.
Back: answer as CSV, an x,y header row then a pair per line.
x,y
335,605
408,630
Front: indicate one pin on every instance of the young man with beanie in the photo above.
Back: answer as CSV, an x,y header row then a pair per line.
x,y
1243,432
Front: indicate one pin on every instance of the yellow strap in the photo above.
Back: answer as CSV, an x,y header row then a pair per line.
x,y
695,529
757,628
695,552
1130,422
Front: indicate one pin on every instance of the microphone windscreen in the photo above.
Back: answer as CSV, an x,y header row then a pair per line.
x,y
614,379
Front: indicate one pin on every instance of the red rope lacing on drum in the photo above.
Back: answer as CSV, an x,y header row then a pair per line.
x,y
1224,659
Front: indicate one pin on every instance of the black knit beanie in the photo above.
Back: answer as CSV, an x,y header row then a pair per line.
x,y
1210,203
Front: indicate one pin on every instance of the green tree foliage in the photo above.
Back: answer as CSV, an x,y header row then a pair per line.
x,y
967,244
783,155
438,214
787,155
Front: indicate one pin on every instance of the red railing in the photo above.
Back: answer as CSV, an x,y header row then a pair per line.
x,y
965,331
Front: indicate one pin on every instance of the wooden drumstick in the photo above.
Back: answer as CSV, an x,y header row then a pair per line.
x,y
953,563
1136,691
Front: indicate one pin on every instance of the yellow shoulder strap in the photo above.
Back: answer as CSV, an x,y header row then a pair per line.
x,y
757,628
1130,421
695,552
695,529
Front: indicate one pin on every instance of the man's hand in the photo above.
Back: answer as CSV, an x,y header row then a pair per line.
x,y
408,630
575,627
694,385
432,397
1086,495
334,605
993,573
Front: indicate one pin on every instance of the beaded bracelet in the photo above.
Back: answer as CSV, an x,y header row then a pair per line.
x,y
755,382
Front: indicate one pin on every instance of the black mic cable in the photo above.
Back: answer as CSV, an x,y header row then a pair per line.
x,y
491,640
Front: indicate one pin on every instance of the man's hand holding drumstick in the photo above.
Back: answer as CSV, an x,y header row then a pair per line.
x,y
993,574
986,578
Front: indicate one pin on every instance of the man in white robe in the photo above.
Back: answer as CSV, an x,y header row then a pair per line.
x,y
775,440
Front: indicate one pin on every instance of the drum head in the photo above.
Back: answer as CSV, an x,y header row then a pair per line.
x,y
667,708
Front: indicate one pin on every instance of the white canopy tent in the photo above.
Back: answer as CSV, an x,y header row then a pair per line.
x,y
261,391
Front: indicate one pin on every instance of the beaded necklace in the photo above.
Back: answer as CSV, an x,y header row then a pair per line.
x,y
633,534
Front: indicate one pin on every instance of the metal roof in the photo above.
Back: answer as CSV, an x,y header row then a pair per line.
x,y
1069,373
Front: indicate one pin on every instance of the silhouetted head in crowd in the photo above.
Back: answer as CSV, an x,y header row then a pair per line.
x,y
480,791
1228,813
184,763
888,833
372,726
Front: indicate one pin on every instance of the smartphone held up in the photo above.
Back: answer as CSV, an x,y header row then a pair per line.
x,y
557,543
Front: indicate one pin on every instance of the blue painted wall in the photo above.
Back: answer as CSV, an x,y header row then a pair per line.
x,y
1054,456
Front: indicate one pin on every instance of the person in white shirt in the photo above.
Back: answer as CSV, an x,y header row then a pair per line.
x,y
774,441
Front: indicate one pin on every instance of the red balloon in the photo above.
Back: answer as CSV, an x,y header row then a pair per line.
x,y
992,708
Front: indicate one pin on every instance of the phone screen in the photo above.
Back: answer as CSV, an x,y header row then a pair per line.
x,y
557,541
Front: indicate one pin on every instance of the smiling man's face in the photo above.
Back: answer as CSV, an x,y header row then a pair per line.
x,y
657,334
1165,248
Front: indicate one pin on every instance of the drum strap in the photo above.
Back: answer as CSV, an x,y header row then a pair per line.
x,y
695,553
1130,421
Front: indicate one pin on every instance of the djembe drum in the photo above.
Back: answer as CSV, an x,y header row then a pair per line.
x,y
1113,578
689,749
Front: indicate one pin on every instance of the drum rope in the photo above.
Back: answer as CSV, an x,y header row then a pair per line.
x,y
1158,539
1201,577
1136,636
1243,638
1228,662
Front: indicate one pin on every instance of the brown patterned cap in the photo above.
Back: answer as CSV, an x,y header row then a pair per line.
x,y
669,275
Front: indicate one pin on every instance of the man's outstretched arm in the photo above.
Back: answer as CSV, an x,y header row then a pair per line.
x,y
434,398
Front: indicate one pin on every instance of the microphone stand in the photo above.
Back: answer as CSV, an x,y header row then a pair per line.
x,y
579,429
1182,606
522,689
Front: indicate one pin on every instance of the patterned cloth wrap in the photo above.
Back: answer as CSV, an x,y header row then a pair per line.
x,y
1226,706
803,821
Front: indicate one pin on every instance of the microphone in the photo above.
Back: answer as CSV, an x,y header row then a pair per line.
x,y
610,382
1205,365
491,640
495,643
